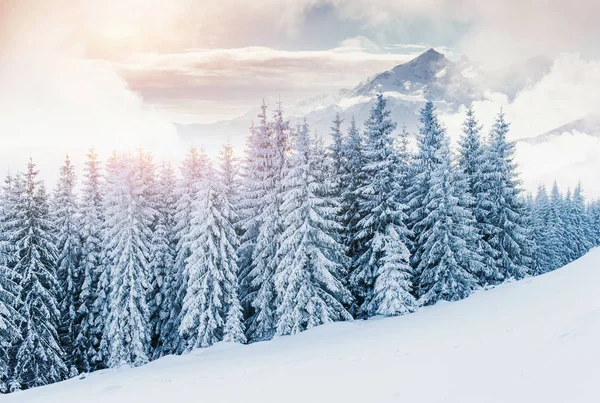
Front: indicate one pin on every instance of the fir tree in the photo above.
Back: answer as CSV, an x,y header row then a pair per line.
x,y
309,278
382,276
228,200
352,179
192,171
10,291
546,228
87,341
501,206
470,161
39,358
429,141
163,279
127,237
270,144
211,271
65,215
449,258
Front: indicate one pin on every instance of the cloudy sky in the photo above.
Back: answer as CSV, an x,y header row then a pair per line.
x,y
81,72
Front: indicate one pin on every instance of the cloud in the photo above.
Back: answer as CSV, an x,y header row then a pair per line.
x,y
567,93
54,102
241,76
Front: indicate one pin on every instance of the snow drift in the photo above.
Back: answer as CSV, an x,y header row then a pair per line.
x,y
534,340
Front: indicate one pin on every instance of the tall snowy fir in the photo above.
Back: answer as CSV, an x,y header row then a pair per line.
x,y
87,340
336,156
66,226
311,259
381,277
448,241
547,228
576,223
193,169
470,160
269,147
229,195
352,180
500,205
39,358
127,237
10,318
426,159
162,277
211,270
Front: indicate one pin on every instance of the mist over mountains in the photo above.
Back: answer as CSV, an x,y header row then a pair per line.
x,y
429,77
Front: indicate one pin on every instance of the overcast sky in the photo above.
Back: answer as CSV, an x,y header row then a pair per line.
x,y
81,72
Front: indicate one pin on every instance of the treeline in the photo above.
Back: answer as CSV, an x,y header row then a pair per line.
x,y
143,262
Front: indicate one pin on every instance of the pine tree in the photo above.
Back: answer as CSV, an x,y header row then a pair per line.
x,y
193,170
429,141
65,215
127,238
546,231
311,259
161,272
576,223
39,358
470,160
382,276
352,179
268,153
87,341
501,206
557,205
228,200
211,271
336,155
10,291
448,244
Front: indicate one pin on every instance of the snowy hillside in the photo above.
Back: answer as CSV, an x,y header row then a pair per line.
x,y
535,340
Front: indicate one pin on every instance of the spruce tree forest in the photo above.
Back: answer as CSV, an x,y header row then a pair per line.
x,y
130,260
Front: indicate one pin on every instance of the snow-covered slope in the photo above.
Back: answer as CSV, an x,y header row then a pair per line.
x,y
536,340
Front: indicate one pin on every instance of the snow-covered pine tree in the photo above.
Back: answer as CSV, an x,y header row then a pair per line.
x,y
264,188
336,155
501,206
211,270
575,220
448,241
382,278
10,291
163,279
583,219
546,232
193,169
470,159
557,203
127,237
39,358
112,178
429,141
593,210
229,194
87,341
66,226
253,188
351,213
311,259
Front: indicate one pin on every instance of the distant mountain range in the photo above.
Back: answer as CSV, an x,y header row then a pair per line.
x,y
589,125
430,76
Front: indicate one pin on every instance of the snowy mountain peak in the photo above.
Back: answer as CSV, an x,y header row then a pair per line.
x,y
428,76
